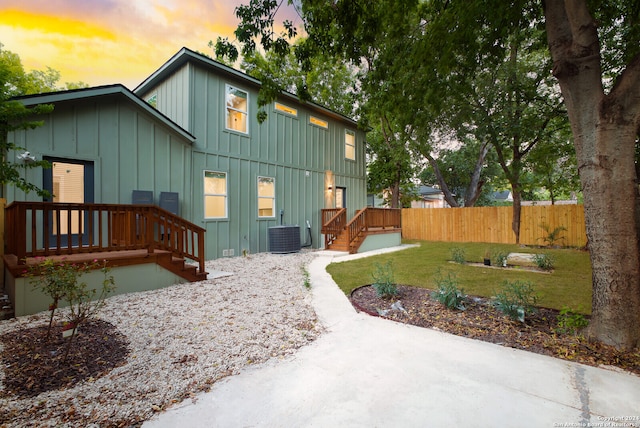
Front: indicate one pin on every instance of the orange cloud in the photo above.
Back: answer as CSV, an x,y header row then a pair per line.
x,y
54,24
112,41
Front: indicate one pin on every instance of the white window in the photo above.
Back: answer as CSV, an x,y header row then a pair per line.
x,y
237,109
286,109
318,122
266,197
350,145
215,194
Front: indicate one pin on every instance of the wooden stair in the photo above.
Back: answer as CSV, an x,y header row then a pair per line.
x,y
341,243
179,266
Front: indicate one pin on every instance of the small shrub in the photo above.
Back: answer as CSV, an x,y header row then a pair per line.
x,y
61,280
500,258
554,236
448,292
570,321
458,255
52,278
516,299
383,280
543,261
307,279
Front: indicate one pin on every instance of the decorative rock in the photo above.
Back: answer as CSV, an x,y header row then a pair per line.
x,y
521,259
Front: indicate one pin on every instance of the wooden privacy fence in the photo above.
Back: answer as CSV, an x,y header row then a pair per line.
x,y
493,224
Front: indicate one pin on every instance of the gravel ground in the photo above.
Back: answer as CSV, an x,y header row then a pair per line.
x,y
182,339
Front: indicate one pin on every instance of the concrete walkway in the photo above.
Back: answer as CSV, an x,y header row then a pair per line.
x,y
368,372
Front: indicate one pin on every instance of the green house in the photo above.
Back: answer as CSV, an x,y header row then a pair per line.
x,y
179,171
190,130
249,176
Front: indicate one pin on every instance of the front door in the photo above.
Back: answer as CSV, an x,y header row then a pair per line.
x,y
341,197
69,181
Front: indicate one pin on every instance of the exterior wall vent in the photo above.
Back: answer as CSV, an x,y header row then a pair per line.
x,y
284,239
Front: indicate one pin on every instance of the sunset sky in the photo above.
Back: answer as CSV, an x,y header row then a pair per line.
x,y
113,41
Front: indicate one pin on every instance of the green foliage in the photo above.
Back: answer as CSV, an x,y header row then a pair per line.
x,y
553,236
456,169
384,281
448,292
499,258
15,116
307,279
569,286
83,302
458,255
570,321
390,165
544,261
61,280
53,279
516,299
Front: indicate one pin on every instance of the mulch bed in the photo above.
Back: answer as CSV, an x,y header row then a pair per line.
x,y
482,321
34,364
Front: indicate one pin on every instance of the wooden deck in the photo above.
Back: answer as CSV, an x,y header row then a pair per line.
x,y
122,258
343,236
123,235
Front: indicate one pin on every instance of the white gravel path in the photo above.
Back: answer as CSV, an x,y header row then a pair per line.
x,y
183,339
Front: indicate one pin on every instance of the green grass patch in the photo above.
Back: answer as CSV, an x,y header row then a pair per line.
x,y
569,285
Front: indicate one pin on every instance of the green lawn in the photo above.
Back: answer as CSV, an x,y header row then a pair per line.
x,y
568,286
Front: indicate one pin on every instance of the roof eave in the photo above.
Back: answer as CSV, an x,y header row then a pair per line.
x,y
117,89
185,55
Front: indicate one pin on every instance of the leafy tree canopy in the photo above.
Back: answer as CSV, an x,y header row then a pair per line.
x,y
14,81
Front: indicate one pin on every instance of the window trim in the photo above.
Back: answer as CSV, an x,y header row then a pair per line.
x,y
320,123
226,195
346,143
285,109
272,198
227,108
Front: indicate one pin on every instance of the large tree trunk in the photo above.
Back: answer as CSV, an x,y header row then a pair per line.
x,y
517,210
604,129
395,195
475,185
448,196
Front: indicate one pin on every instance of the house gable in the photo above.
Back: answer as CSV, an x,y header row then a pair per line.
x,y
302,147
128,144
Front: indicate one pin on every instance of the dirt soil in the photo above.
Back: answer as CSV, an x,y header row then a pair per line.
x,y
37,365
482,321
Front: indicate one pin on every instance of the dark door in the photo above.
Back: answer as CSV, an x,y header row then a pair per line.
x,y
69,181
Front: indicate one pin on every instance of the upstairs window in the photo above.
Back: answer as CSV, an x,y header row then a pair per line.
x,y
237,106
350,145
215,194
286,109
318,122
266,197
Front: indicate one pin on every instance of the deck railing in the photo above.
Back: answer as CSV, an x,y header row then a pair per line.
x,y
333,222
367,219
371,218
35,229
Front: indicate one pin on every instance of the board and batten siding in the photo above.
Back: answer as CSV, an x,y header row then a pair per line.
x,y
287,148
129,149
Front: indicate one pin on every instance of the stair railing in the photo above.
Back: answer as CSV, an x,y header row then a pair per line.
x,y
39,229
333,223
371,218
